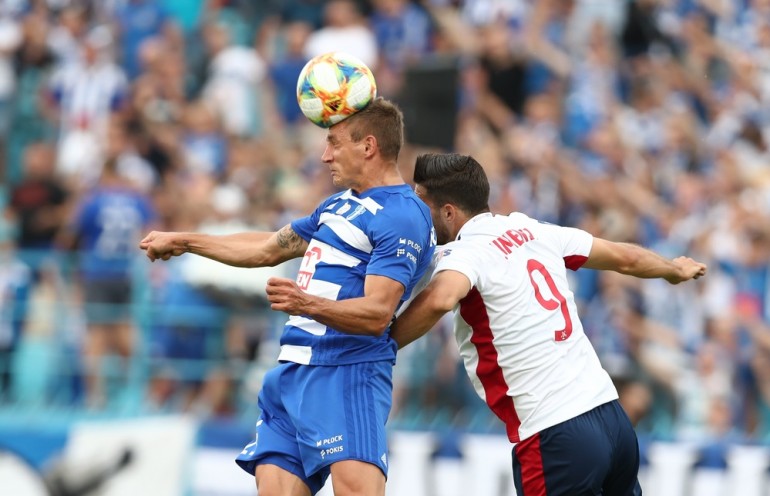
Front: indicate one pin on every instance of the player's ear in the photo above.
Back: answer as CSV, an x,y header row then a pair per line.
x,y
370,146
449,211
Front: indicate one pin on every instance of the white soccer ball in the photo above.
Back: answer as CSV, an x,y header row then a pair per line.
x,y
334,86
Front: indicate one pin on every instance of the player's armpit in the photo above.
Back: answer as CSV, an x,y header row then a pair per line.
x,y
444,292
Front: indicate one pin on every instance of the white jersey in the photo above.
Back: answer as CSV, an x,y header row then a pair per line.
x,y
517,329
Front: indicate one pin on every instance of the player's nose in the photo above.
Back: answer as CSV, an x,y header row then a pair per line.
x,y
326,157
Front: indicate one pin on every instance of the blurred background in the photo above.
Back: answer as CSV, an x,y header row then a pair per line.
x,y
644,121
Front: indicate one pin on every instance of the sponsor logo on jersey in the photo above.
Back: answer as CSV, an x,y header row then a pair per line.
x,y
358,211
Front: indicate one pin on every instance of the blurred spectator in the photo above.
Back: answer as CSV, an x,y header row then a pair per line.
x,y
106,228
38,204
15,282
235,82
130,165
68,34
403,32
10,38
203,145
640,30
187,341
86,93
33,63
504,70
305,11
285,68
346,31
187,14
139,21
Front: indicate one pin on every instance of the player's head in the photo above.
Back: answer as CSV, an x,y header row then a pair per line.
x,y
376,132
455,187
383,120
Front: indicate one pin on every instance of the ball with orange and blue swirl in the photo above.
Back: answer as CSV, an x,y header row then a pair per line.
x,y
334,86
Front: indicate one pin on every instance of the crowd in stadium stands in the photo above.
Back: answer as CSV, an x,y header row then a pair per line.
x,y
642,120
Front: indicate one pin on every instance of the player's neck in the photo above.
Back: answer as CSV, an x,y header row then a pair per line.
x,y
380,176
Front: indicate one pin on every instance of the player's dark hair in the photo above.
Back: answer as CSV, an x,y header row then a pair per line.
x,y
453,178
383,120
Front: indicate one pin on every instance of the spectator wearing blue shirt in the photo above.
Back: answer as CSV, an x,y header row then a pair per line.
x,y
285,70
139,21
106,227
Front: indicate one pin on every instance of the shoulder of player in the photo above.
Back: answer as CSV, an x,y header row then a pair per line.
x,y
401,206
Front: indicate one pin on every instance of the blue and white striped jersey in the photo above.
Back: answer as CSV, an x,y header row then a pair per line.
x,y
385,231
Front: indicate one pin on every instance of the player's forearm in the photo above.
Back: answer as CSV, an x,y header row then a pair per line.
x,y
420,317
354,316
646,264
239,250
411,326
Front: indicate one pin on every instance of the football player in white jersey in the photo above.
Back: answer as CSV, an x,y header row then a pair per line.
x,y
519,334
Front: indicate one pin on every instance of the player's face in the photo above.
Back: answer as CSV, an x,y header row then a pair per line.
x,y
344,157
443,232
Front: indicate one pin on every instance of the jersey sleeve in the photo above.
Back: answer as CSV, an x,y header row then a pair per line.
x,y
307,226
575,244
462,259
399,242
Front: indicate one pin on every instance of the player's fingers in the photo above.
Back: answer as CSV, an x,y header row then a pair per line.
x,y
279,282
270,289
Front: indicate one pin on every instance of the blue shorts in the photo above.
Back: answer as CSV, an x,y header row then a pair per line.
x,y
595,453
313,416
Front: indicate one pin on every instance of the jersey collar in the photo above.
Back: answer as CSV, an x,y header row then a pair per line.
x,y
468,225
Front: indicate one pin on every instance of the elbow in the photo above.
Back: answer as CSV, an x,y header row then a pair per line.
x,y
378,326
441,304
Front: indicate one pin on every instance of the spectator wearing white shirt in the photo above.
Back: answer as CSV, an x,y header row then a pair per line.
x,y
86,94
344,30
235,73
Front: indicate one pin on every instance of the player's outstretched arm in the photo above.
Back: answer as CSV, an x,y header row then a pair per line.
x,y
248,249
633,260
441,295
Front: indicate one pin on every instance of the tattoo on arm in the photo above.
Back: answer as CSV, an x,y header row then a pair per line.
x,y
288,239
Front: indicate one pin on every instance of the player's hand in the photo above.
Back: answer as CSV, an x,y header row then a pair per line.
x,y
161,245
688,269
284,295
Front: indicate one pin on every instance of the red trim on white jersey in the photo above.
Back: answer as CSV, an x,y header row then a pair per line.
x,y
574,262
474,312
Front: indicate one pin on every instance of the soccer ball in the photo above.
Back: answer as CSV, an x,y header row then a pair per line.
x,y
334,86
